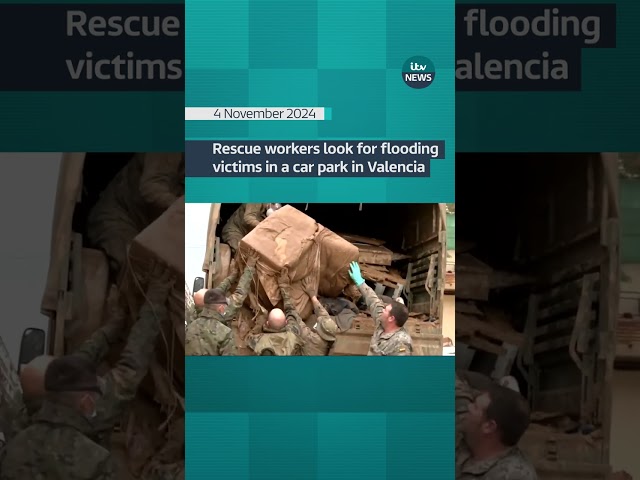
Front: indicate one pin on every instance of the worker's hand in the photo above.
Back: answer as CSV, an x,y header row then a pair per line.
x,y
252,258
354,273
309,288
283,278
160,284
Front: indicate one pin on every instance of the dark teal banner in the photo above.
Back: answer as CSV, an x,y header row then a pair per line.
x,y
599,115
64,93
320,418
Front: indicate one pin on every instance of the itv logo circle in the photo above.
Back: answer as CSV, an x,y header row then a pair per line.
x,y
418,72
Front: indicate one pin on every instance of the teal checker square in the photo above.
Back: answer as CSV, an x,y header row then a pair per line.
x,y
283,34
218,442
418,452
283,88
212,27
293,433
351,34
358,103
349,442
420,28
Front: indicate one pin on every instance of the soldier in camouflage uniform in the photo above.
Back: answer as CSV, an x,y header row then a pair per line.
x,y
390,336
16,412
247,217
286,334
492,426
208,335
121,383
148,185
238,297
280,333
56,446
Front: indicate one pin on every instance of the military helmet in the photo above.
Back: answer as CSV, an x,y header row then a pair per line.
x,y
327,329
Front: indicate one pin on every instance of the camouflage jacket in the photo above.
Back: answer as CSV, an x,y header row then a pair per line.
x,y
56,447
510,465
247,217
121,383
287,341
396,343
238,297
207,335
314,344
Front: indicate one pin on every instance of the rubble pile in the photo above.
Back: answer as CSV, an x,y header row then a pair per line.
x,y
376,260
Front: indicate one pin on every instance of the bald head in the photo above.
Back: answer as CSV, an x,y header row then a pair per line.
x,y
277,319
32,378
198,298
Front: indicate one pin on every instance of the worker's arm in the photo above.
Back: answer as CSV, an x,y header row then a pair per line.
x,y
225,285
319,309
294,321
253,214
160,175
243,289
253,337
97,346
123,380
399,345
374,304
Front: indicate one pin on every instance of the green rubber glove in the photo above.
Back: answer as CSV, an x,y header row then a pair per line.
x,y
354,273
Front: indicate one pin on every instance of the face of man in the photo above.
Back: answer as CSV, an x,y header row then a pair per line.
x,y
386,314
476,424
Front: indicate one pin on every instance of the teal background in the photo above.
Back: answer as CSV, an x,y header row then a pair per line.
x,y
91,121
346,55
320,418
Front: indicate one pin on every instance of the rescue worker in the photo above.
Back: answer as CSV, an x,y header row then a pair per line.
x,y
390,336
469,385
247,217
280,333
198,299
121,383
492,428
56,446
148,185
207,334
16,412
235,301
317,340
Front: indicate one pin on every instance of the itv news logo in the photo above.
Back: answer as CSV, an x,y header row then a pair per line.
x,y
418,72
